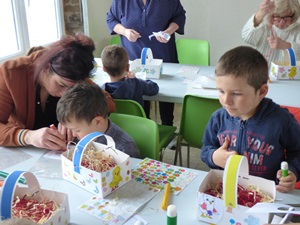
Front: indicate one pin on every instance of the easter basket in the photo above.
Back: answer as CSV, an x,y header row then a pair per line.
x,y
146,64
100,183
234,181
38,205
288,69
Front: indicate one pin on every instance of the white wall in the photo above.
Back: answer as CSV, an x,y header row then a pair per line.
x,y
218,21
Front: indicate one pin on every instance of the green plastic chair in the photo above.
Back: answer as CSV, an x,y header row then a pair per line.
x,y
128,106
131,107
115,40
196,111
193,52
143,131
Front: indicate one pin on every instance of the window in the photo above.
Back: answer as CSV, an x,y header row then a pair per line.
x,y
28,23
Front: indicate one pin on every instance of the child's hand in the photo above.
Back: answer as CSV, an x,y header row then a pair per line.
x,y
130,75
221,155
287,183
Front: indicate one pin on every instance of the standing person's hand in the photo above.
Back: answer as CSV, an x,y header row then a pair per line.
x,y
131,35
277,43
46,138
221,155
265,8
162,39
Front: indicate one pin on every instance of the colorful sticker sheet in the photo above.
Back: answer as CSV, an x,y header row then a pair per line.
x,y
157,174
120,205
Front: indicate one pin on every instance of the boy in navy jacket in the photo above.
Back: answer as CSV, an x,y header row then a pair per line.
x,y
250,124
124,85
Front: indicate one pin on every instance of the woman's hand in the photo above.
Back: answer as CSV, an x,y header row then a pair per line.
x,y
161,39
265,8
67,133
221,155
131,35
277,43
46,138
287,183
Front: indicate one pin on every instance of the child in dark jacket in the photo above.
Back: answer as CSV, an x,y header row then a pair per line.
x,y
250,124
83,110
124,84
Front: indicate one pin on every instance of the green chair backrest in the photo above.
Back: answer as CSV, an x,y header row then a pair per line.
x,y
196,111
193,52
131,107
115,40
143,131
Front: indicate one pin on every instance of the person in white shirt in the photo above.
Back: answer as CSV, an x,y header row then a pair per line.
x,y
273,28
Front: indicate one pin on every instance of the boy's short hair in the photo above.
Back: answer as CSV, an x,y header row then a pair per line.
x,y
82,102
244,62
114,59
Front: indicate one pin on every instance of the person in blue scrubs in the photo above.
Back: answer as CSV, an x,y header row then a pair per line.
x,y
135,20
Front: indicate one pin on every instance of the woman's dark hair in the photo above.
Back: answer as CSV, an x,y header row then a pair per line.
x,y
71,57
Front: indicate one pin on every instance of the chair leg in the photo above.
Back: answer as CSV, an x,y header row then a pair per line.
x,y
161,154
180,156
178,151
155,110
188,156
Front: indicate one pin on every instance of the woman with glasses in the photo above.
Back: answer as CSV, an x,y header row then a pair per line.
x,y
31,86
273,28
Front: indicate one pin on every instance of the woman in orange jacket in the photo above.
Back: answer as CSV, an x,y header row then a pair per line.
x,y
31,86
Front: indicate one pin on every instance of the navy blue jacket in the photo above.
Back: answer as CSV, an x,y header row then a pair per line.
x,y
132,88
262,139
155,16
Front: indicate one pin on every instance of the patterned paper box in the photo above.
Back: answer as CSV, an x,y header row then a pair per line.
x,y
146,64
11,190
215,210
288,69
97,183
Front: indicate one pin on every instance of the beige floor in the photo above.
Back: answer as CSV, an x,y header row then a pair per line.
x,y
168,157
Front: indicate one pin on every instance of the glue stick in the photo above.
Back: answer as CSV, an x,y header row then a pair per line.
x,y
284,168
172,215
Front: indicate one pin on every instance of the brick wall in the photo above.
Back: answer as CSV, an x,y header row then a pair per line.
x,y
73,16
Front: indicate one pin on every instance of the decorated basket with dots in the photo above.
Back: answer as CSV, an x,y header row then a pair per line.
x,y
95,167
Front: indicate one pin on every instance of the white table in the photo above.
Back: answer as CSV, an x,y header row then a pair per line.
x,y
152,212
173,89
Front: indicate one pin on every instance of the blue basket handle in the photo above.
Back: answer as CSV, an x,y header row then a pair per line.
x,y
292,56
9,187
146,53
80,147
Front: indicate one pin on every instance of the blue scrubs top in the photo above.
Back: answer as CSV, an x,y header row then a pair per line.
x,y
155,16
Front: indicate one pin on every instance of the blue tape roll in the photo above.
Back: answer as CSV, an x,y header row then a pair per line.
x,y
8,193
292,56
80,147
144,56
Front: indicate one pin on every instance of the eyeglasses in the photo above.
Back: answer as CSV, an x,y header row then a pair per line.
x,y
285,18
